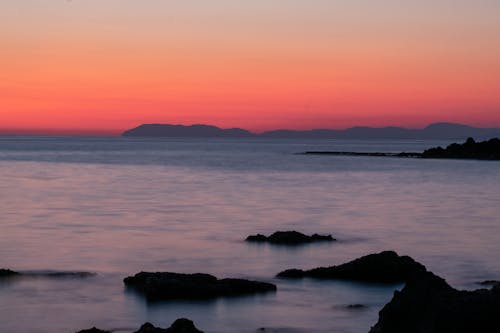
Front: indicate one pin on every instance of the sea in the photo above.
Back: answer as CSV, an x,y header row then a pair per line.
x,y
117,206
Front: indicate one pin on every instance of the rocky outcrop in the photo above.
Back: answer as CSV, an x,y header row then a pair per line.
x,y
289,238
7,273
93,330
427,304
485,150
181,325
472,150
165,286
384,267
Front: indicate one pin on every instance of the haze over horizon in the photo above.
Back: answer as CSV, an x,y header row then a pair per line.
x,y
120,132
93,67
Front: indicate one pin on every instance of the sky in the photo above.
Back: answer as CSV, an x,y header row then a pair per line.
x,y
103,66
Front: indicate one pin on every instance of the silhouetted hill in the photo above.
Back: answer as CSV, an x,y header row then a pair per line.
x,y
433,131
452,131
160,130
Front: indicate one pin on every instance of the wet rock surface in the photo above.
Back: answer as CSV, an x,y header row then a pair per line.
x,y
383,267
289,238
166,286
427,304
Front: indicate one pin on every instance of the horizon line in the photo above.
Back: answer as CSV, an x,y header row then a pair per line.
x,y
48,132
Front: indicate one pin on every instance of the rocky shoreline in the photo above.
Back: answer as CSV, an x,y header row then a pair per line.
x,y
471,150
426,304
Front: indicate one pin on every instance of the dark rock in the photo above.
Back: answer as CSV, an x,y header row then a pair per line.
x,y
485,150
257,238
489,283
356,306
165,285
7,273
290,238
427,304
93,330
384,267
182,325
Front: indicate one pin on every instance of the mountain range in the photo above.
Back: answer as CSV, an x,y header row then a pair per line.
x,y
433,131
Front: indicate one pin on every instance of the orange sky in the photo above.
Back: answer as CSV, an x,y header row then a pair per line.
x,y
99,67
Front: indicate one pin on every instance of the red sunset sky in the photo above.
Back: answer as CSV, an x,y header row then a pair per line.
x,y
100,67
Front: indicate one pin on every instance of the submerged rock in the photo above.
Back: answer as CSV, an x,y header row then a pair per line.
x,y
7,273
47,274
290,238
427,304
165,285
383,267
66,274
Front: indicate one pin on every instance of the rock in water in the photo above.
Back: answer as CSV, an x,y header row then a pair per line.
x,y
427,304
182,325
93,330
384,267
290,238
165,286
7,273
490,283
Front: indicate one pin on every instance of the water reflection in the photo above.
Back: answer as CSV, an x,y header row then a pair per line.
x,y
117,219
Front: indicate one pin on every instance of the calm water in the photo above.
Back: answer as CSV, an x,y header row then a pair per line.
x,y
117,206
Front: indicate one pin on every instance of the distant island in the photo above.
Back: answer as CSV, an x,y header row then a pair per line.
x,y
166,130
436,131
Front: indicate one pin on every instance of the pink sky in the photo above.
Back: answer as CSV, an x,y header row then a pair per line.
x,y
100,67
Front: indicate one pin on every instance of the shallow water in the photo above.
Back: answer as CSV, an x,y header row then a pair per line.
x,y
117,206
